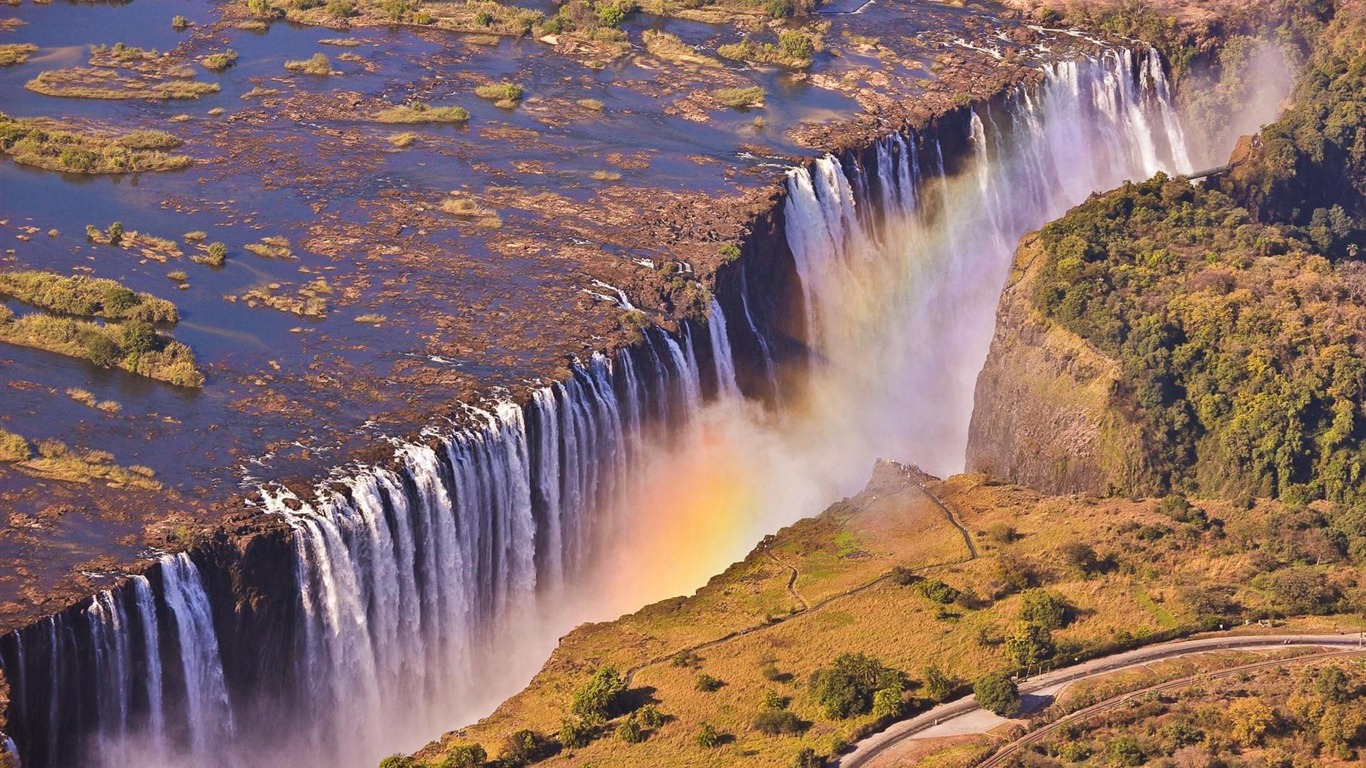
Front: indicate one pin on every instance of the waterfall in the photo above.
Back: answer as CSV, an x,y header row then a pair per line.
x,y
720,352
420,584
115,645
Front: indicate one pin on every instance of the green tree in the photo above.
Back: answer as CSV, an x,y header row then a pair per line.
x,y
847,688
807,758
1029,644
651,717
630,731
575,733
138,338
887,703
707,736
397,761
1044,608
938,686
600,698
522,748
465,756
998,693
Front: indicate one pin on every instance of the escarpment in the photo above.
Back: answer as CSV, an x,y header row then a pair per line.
x,y
1046,412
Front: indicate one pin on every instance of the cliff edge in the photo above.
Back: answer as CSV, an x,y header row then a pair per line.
x,y
1045,410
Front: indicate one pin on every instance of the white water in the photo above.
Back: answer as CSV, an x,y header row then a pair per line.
x,y
432,591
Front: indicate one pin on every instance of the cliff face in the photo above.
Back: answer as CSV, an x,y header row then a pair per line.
x,y
1045,411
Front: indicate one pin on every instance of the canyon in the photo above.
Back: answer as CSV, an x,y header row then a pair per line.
x,y
356,607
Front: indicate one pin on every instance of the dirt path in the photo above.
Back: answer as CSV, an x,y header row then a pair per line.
x,y
810,608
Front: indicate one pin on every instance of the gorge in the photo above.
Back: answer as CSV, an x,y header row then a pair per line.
x,y
407,597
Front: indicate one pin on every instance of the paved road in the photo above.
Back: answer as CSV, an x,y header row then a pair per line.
x,y
871,751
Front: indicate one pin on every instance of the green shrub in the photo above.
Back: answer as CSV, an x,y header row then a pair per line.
x,y
1029,644
630,731
397,761
1044,608
522,748
778,722
708,684
807,758
576,733
937,591
847,688
939,687
650,716
601,698
997,692
707,736
465,756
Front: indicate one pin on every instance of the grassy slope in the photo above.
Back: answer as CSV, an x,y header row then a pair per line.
x,y
856,543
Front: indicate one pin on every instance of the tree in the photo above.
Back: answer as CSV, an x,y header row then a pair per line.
x,y
998,693
575,733
1332,685
778,722
523,747
938,591
708,737
708,684
1251,720
651,717
138,338
1124,751
465,756
601,697
938,686
847,689
807,758
115,233
397,761
1044,608
630,731
887,703
1029,644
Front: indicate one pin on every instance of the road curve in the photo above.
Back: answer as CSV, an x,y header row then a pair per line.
x,y
867,751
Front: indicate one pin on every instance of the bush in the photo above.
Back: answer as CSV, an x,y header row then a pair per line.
x,y
779,9
903,576
600,699
1081,558
397,761
847,689
650,717
778,722
523,747
1124,751
1029,644
575,733
1044,608
796,46
707,736
708,684
218,254
630,731
937,591
465,756
807,758
939,687
888,704
997,693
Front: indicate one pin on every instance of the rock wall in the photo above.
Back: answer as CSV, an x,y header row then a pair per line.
x,y
1045,411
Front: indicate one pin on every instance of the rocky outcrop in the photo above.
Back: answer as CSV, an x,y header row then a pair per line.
x,y
1046,412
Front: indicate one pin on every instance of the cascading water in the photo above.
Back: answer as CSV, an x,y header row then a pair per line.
x,y
420,584
96,680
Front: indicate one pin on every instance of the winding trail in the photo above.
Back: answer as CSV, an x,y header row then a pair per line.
x,y
808,607
874,750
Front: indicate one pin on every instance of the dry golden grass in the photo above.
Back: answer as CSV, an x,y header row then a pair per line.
x,y
16,53
768,642
421,113
271,248
13,447
57,461
104,83
663,45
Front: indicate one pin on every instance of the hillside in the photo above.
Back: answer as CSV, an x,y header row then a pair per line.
x,y
889,575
